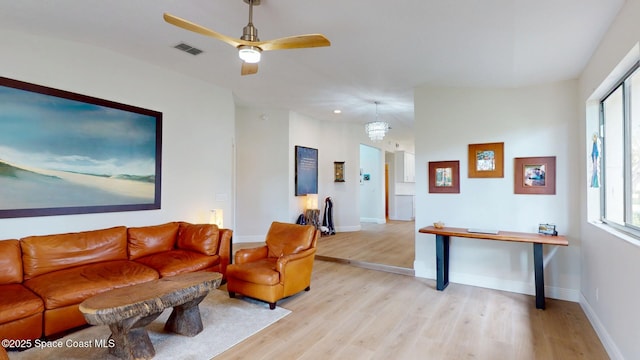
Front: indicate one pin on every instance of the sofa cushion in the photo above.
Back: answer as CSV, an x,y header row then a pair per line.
x,y
72,286
203,238
48,253
286,239
149,240
18,302
174,262
10,262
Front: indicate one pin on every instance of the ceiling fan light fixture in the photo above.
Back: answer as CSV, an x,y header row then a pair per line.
x,y
249,54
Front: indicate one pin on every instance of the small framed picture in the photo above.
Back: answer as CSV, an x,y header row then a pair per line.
x,y
547,229
338,171
535,175
444,177
486,160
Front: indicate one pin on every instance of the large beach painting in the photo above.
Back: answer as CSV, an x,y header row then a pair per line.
x,y
66,153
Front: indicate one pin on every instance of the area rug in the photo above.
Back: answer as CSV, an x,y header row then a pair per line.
x,y
226,323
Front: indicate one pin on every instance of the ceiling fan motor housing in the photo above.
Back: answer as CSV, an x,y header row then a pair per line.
x,y
250,33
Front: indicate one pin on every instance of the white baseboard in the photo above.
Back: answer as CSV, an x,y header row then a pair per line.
x,y
422,270
428,271
373,220
603,334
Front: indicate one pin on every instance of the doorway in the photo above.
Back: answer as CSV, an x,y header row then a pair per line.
x,y
382,243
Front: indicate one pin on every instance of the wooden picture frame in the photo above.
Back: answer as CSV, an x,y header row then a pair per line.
x,y
486,160
338,171
444,177
67,153
535,175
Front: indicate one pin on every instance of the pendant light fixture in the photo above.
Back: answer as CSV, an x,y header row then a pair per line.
x,y
376,129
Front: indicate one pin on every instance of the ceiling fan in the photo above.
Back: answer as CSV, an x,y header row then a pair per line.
x,y
249,46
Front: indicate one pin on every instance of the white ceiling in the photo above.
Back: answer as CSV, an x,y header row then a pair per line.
x,y
380,49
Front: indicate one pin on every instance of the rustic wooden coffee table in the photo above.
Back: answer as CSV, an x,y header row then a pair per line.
x,y
129,309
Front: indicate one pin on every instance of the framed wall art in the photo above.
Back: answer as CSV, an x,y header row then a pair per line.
x,y
444,177
306,170
535,175
65,153
486,160
338,171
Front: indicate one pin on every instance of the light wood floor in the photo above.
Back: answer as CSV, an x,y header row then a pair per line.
x,y
356,313
389,244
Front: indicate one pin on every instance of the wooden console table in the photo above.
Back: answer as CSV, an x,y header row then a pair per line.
x,y
442,252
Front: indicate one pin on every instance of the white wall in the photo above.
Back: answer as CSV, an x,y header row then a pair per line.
x,y
266,169
198,128
610,261
533,121
262,166
335,142
372,190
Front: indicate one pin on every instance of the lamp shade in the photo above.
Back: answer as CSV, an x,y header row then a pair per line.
x,y
312,201
216,218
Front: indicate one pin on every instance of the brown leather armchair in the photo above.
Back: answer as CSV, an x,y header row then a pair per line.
x,y
277,270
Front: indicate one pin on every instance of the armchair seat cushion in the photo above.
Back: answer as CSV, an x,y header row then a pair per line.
x,y
174,262
262,271
18,302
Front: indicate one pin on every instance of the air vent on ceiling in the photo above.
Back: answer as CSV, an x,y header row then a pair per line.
x,y
188,48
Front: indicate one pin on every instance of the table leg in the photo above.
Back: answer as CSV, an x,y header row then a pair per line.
x,y
185,319
539,275
131,338
442,261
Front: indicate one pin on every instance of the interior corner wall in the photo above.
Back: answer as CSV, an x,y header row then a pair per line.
x,y
610,260
533,121
198,128
262,168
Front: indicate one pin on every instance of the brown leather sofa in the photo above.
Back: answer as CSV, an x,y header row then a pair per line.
x,y
277,270
20,309
43,279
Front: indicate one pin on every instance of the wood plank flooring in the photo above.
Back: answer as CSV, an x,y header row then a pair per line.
x,y
357,313
389,244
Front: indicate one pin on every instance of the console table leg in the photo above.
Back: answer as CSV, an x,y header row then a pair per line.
x,y
442,261
539,275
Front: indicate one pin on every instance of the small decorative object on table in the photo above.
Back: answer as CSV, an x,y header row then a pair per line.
x,y
547,229
438,225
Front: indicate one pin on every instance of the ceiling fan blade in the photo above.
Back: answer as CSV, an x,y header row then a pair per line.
x,y
248,69
188,25
295,42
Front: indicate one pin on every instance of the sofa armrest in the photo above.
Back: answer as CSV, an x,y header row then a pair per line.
x,y
251,254
224,249
296,262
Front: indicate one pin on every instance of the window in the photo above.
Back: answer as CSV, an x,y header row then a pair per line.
x,y
620,138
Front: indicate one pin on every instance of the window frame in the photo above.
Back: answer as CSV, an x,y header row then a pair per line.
x,y
628,226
